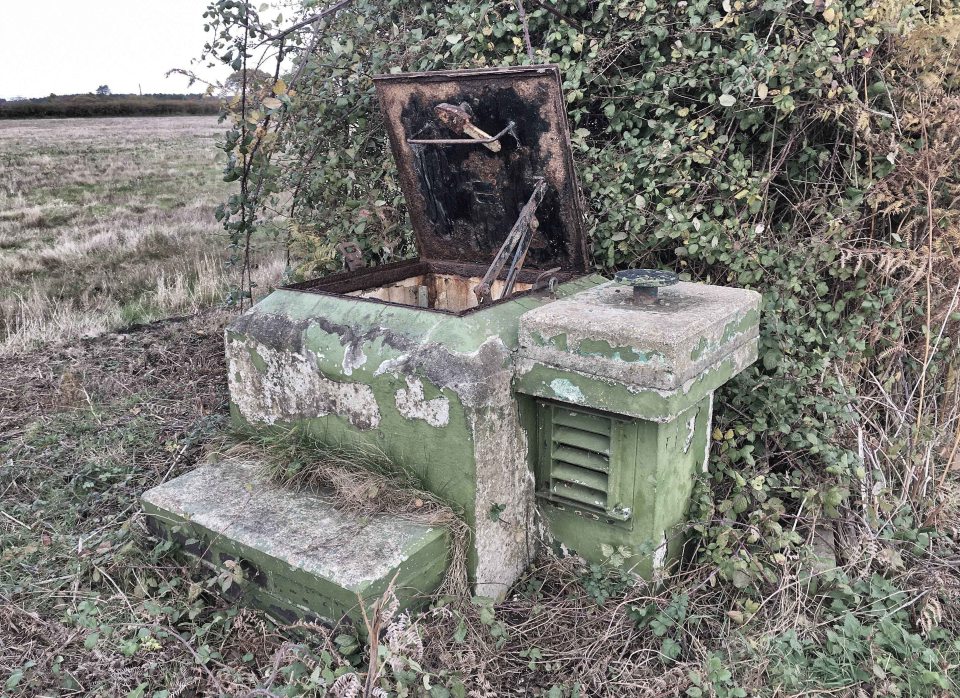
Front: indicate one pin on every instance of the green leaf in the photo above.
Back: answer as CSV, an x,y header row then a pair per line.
x,y
771,359
15,678
138,691
727,100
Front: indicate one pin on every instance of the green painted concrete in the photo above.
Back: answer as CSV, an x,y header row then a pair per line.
x,y
299,555
431,390
455,401
660,467
588,390
654,366
659,347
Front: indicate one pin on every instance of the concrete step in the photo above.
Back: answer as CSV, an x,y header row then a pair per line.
x,y
297,555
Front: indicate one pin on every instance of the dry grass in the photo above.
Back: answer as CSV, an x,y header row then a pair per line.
x,y
362,481
89,605
109,222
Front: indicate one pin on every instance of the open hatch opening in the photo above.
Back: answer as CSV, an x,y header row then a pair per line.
x,y
485,166
445,287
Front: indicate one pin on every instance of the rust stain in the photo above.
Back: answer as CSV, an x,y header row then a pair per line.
x,y
464,199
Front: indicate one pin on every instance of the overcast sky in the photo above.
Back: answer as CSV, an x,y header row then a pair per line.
x,y
73,46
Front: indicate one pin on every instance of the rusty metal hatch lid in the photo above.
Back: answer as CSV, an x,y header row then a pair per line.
x,y
463,198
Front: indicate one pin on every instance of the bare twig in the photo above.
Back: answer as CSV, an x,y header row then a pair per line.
x,y
309,20
526,28
556,13
16,521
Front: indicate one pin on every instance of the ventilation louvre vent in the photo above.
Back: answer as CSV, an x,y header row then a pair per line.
x,y
577,466
580,457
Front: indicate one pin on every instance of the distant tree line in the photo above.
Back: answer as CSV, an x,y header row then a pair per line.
x,y
64,106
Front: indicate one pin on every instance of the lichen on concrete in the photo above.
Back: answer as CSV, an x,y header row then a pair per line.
x,y
451,375
451,398
270,386
300,530
503,546
601,331
481,380
567,391
660,554
412,404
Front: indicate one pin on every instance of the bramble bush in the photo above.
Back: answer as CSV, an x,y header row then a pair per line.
x,y
806,149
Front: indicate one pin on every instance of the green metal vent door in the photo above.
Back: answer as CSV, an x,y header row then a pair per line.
x,y
587,460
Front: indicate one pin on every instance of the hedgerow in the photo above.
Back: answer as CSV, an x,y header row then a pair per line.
x,y
808,150
70,106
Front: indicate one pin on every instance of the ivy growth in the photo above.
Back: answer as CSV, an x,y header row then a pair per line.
x,y
809,150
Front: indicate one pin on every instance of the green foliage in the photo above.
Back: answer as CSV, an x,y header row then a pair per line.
x,y
867,639
718,680
666,623
778,145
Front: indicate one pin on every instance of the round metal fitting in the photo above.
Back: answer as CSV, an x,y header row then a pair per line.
x,y
645,283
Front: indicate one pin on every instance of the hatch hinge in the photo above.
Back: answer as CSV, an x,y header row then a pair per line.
x,y
352,255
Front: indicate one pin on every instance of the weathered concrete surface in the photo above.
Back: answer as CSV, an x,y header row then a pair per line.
x,y
295,548
268,385
454,400
601,332
658,365
433,391
611,395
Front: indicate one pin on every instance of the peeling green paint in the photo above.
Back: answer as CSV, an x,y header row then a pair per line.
x,y
257,360
610,396
559,341
566,391
665,474
455,399
748,321
593,347
438,399
285,570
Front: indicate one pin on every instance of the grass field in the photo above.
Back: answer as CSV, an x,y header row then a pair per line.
x,y
104,224
107,222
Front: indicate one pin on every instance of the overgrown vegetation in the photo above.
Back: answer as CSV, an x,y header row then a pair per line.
x,y
102,105
805,149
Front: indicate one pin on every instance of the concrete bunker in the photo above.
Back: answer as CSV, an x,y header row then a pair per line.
x,y
548,405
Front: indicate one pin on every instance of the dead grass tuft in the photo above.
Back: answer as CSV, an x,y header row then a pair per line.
x,y
364,482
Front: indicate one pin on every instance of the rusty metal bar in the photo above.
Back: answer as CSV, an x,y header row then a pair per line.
x,y
513,239
462,141
519,257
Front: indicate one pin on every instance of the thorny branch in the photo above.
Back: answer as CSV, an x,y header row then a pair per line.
x,y
526,28
308,21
